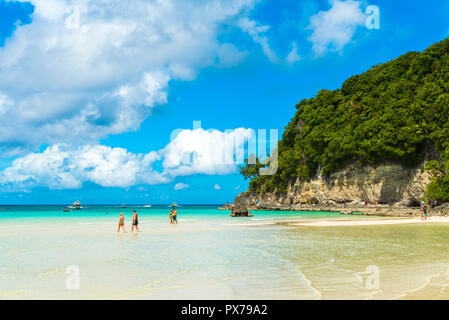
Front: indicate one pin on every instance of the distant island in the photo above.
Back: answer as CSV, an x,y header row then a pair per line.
x,y
382,138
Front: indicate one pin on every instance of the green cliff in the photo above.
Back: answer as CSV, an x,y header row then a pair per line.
x,y
396,112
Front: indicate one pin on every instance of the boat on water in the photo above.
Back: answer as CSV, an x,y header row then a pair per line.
x,y
147,206
75,206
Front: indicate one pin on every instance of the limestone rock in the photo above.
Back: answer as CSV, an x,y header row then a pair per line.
x,y
227,206
389,184
240,208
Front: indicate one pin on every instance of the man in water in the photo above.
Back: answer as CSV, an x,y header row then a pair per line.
x,y
135,221
175,216
121,222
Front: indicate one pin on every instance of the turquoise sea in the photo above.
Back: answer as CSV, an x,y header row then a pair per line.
x,y
210,255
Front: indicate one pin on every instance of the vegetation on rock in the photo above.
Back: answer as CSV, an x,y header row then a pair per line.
x,y
390,113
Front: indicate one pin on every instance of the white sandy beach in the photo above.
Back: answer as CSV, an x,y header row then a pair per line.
x,y
368,222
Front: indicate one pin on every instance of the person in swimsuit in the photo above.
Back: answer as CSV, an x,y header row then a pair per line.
x,y
135,221
121,222
175,216
171,216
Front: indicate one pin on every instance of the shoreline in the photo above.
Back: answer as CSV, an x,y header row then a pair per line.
x,y
374,222
380,211
381,215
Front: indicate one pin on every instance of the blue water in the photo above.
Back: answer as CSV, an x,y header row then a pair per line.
x,y
210,255
157,212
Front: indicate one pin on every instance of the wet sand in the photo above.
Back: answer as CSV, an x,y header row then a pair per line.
x,y
365,222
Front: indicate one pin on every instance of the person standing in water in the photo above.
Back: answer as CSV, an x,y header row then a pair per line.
x,y
426,212
175,216
121,222
135,221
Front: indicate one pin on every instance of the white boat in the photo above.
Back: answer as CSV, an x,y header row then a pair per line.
x,y
147,206
75,206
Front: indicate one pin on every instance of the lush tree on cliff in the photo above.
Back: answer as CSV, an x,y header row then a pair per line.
x,y
389,113
438,188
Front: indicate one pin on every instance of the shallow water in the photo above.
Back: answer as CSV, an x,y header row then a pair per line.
x,y
210,255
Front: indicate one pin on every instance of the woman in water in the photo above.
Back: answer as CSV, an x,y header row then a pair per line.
x,y
121,222
135,221
175,216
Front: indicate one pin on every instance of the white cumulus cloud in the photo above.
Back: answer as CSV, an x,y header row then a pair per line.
x,y
202,151
333,29
257,34
180,186
84,69
62,166
293,56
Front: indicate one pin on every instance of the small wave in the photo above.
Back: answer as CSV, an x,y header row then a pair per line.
x,y
96,223
11,294
427,281
50,272
309,284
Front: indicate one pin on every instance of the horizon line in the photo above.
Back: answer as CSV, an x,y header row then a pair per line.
x,y
113,204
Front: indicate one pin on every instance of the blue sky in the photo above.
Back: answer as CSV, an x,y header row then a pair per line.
x,y
90,91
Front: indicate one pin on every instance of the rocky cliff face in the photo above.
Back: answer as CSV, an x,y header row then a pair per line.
x,y
391,184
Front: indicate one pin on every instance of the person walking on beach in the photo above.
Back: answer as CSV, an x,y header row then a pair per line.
x,y
175,216
121,222
135,221
171,216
